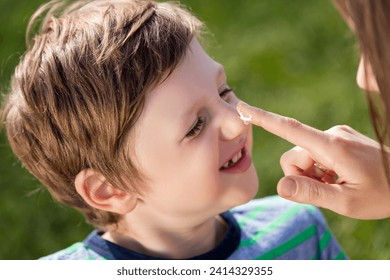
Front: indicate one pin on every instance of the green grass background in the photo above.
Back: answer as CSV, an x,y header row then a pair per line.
x,y
296,58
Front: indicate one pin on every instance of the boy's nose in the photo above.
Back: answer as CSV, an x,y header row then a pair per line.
x,y
231,125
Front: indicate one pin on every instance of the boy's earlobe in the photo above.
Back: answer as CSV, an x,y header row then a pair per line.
x,y
94,188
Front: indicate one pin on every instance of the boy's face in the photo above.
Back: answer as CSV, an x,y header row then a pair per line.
x,y
188,131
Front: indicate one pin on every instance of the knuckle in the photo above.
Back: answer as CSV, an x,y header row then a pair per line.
x,y
342,127
291,155
313,193
346,128
285,161
339,143
291,122
338,129
295,160
290,125
285,157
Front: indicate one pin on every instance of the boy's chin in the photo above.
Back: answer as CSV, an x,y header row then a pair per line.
x,y
251,194
248,190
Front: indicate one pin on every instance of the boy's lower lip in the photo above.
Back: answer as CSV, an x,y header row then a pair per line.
x,y
241,166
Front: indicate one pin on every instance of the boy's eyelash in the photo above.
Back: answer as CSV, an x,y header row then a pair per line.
x,y
200,121
197,127
225,92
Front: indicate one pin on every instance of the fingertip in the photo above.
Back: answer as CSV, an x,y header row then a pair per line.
x,y
287,187
249,114
242,108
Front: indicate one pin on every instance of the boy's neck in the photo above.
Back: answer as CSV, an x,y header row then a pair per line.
x,y
170,243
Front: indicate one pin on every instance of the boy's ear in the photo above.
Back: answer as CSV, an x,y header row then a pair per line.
x,y
94,188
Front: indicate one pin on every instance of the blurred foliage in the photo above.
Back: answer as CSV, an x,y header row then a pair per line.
x,y
296,58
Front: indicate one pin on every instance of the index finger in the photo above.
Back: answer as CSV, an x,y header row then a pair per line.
x,y
295,132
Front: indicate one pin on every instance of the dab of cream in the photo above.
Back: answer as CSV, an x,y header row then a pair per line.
x,y
247,120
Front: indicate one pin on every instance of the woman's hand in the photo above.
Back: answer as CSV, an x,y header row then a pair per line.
x,y
339,169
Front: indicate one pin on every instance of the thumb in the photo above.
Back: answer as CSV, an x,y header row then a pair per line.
x,y
307,190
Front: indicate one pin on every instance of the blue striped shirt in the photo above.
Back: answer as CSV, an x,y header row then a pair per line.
x,y
266,228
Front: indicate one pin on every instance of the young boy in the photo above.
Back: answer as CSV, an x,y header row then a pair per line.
x,y
120,113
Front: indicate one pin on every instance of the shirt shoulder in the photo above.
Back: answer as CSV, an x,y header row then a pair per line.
x,y
275,228
77,251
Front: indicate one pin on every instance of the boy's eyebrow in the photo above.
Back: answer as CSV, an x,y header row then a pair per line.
x,y
221,72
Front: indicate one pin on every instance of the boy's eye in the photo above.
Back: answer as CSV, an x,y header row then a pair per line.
x,y
224,94
196,128
199,124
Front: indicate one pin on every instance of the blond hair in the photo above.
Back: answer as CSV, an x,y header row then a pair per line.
x,y
81,85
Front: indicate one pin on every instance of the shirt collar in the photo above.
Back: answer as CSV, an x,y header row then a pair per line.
x,y
223,250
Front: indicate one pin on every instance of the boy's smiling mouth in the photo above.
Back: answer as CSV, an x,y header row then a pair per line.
x,y
238,162
233,160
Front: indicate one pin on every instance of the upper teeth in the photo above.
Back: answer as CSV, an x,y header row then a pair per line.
x,y
232,161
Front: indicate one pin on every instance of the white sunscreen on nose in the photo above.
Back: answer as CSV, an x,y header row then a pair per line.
x,y
247,120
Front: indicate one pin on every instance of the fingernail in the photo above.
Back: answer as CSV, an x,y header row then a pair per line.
x,y
242,110
242,107
288,187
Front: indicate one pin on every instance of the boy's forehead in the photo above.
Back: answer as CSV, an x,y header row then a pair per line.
x,y
185,90
198,62
196,69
